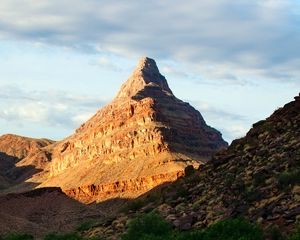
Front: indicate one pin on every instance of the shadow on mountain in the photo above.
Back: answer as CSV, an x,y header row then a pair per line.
x,y
12,177
46,210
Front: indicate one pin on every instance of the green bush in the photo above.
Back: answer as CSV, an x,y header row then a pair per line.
x,y
182,192
295,235
233,229
134,205
148,226
153,227
86,225
273,233
259,179
69,236
16,236
289,178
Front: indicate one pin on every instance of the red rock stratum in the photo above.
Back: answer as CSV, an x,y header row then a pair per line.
x,y
144,137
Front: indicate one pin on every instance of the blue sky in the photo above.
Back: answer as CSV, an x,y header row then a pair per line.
x,y
60,61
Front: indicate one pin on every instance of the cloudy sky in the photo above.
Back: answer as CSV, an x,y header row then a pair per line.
x,y
60,61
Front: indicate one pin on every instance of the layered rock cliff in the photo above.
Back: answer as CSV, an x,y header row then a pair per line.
x,y
144,137
144,132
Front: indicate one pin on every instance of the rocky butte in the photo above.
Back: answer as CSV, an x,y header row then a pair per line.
x,y
144,137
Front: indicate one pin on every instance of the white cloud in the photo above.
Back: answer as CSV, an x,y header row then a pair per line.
x,y
56,108
34,112
253,38
215,42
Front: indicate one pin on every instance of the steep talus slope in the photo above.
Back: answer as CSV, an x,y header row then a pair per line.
x,y
144,137
258,177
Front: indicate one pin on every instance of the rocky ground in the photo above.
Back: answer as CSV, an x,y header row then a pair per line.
x,y
258,177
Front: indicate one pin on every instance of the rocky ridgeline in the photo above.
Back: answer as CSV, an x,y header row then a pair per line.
x,y
20,147
20,157
258,177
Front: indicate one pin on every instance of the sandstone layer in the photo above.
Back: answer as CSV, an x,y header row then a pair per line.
x,y
144,137
143,133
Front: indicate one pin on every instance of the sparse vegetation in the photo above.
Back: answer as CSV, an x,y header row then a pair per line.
x,y
289,178
16,236
134,205
70,236
86,225
274,233
153,227
147,226
258,179
182,192
295,235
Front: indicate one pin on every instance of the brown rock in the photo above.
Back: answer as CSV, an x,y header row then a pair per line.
x,y
144,137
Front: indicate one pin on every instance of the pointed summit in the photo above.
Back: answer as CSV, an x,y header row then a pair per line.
x,y
147,64
145,74
145,137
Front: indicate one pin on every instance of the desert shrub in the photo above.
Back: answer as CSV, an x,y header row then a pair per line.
x,y
252,194
229,179
86,225
148,226
259,179
289,178
274,233
16,236
295,235
240,186
152,227
233,229
134,205
182,192
69,236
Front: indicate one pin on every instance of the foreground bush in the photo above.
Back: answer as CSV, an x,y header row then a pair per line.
x,y
289,178
147,226
295,235
70,236
16,236
233,229
153,227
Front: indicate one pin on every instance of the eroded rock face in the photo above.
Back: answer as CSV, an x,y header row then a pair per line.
x,y
143,133
144,137
121,189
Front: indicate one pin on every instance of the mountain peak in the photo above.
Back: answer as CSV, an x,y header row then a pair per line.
x,y
147,64
145,74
